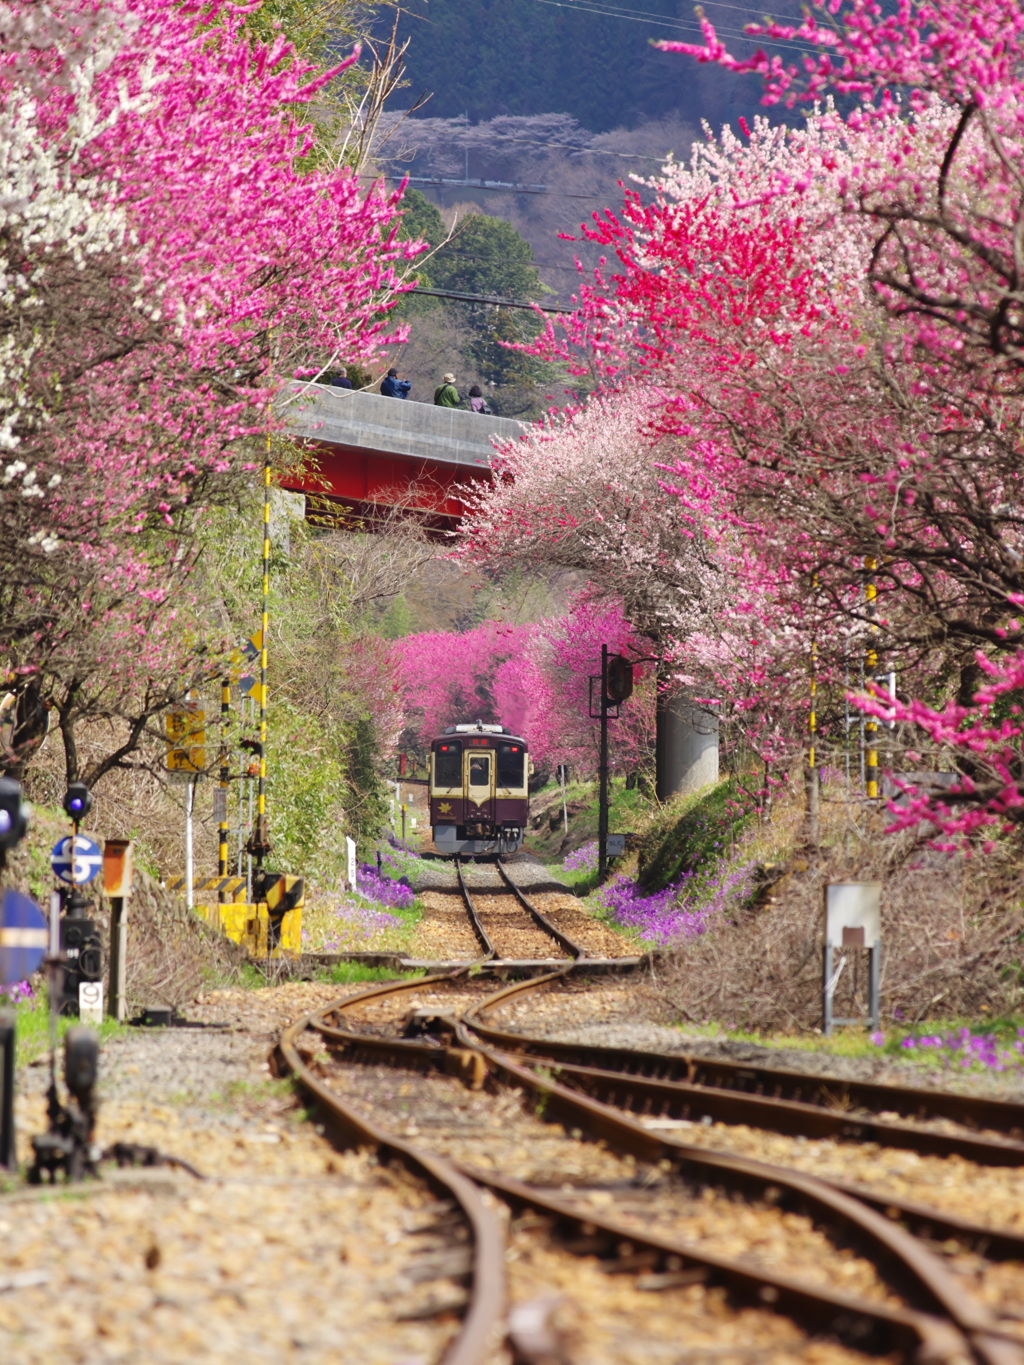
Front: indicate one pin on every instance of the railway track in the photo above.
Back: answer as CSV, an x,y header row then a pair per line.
x,y
587,1160
513,931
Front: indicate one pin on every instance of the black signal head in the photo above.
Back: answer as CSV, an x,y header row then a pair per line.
x,y
77,801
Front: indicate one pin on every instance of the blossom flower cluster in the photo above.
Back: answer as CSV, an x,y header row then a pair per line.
x,y
357,925
370,883
582,859
963,1048
15,991
683,909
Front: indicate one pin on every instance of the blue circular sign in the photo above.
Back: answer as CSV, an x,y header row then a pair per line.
x,y
86,862
23,937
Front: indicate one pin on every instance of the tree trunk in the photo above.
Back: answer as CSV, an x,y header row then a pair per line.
x,y
67,730
29,724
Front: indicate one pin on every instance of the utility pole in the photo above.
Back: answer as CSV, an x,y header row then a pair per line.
x,y
871,668
602,774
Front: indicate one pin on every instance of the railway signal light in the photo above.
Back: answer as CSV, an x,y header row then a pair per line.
x,y
13,814
619,679
77,802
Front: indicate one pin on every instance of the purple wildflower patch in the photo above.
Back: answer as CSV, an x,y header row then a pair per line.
x,y
657,917
963,1048
358,924
15,991
680,911
582,859
397,894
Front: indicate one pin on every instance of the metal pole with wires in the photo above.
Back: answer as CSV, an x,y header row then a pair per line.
x,y
602,774
222,798
259,840
870,669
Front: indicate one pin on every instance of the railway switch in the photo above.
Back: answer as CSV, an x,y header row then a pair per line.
x,y
83,952
67,1145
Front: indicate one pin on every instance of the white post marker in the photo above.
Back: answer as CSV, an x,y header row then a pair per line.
x,y
90,1002
350,849
853,919
189,794
54,924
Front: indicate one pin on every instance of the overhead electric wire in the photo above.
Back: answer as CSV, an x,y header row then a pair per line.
x,y
674,23
489,299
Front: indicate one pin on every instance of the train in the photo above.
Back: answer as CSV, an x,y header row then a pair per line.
x,y
479,790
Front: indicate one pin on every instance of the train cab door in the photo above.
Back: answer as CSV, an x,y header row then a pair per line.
x,y
479,785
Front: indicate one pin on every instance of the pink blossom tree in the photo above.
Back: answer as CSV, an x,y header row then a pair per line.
x,y
167,261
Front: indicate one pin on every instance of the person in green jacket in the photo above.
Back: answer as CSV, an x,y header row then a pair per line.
x,y
447,396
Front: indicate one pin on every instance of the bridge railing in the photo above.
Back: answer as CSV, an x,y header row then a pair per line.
x,y
395,426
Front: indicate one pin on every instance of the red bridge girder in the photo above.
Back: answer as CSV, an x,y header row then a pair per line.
x,y
363,484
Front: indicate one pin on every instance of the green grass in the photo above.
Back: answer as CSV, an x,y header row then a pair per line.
x,y
629,810
344,973
692,833
239,1092
32,1025
578,879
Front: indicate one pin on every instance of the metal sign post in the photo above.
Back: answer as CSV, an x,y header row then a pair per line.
x,y
616,683
190,792
350,851
117,883
186,758
853,919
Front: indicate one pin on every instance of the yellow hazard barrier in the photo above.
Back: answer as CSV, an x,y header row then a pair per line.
x,y
277,917
250,925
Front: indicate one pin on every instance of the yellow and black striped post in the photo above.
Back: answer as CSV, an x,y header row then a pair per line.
x,y
222,829
258,844
870,669
261,791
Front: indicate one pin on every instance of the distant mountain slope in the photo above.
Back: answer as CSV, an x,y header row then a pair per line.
x,y
492,57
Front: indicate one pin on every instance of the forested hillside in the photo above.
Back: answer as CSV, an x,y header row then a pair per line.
x,y
595,62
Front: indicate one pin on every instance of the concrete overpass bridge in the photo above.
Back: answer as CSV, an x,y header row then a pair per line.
x,y
371,454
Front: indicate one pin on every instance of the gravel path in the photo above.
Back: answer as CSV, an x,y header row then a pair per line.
x,y
287,1252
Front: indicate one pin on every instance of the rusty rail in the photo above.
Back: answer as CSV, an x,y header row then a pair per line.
x,y
920,1276
778,1083
482,936
482,1322
563,940
848,1212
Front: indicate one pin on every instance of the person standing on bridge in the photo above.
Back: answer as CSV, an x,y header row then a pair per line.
x,y
447,396
477,402
393,387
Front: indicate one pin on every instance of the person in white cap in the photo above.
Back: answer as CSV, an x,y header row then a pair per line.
x,y
447,396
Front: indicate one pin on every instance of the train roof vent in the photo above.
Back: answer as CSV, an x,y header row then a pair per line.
x,y
479,725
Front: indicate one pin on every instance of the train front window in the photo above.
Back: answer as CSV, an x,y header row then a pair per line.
x,y
480,770
448,764
511,765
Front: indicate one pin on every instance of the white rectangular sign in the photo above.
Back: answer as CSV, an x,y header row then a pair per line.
x,y
853,914
90,1002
